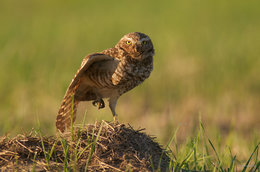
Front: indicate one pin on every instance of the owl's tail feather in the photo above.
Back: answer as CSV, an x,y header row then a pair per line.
x,y
68,109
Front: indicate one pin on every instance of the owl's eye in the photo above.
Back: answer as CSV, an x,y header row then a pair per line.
x,y
144,42
128,42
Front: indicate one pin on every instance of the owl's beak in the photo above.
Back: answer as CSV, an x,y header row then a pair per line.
x,y
140,48
139,43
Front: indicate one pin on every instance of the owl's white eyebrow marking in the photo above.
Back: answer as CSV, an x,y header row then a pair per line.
x,y
141,40
130,39
144,39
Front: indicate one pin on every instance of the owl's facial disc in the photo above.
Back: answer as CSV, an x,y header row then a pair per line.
x,y
137,45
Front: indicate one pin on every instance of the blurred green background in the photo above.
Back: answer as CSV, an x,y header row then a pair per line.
x,y
206,65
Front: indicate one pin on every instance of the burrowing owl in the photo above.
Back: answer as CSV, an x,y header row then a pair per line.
x,y
108,74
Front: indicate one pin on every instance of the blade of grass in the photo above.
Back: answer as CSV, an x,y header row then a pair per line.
x,y
206,162
44,151
65,148
167,148
150,158
171,165
84,119
245,167
81,152
195,147
186,159
34,162
93,145
219,163
257,166
233,158
79,134
160,160
172,139
52,150
46,154
257,163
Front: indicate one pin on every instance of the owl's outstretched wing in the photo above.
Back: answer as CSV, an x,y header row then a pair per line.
x,y
69,104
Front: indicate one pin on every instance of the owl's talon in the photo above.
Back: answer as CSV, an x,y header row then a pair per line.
x,y
99,103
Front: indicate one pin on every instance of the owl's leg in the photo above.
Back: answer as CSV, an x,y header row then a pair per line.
x,y
112,104
99,103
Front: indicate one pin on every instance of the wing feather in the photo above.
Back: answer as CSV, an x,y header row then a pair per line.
x,y
69,104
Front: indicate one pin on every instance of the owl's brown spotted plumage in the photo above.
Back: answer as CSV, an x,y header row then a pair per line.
x,y
108,74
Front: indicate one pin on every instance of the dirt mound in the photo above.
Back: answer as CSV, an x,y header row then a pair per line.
x,y
99,147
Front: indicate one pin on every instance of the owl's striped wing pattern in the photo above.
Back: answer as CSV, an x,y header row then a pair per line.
x,y
69,104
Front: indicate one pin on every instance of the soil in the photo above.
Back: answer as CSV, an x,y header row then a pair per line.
x,y
102,146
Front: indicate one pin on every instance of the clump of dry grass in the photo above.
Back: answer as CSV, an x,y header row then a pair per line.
x,y
96,147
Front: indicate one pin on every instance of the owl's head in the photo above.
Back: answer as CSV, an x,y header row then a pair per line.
x,y
137,45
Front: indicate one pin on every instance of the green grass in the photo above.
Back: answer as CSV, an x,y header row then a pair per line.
x,y
207,63
199,153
